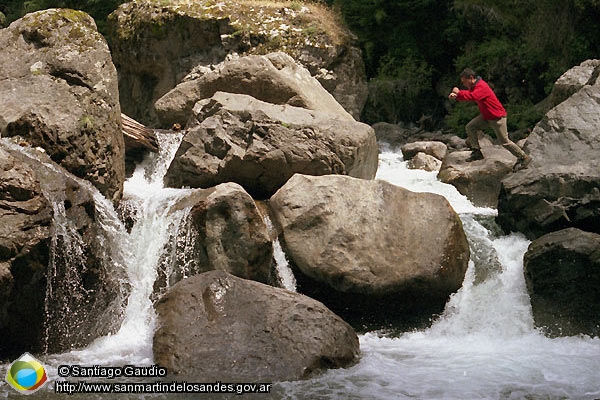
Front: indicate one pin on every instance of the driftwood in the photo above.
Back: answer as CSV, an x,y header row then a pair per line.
x,y
137,135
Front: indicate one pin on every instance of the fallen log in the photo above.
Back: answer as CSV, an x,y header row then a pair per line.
x,y
137,135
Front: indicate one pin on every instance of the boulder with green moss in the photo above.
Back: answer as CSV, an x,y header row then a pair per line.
x,y
157,43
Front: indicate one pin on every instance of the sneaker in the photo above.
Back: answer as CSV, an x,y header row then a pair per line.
x,y
476,154
522,163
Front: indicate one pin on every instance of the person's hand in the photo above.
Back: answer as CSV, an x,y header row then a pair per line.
x,y
455,90
452,96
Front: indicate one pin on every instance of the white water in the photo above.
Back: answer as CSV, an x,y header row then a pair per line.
x,y
284,271
285,275
140,252
484,346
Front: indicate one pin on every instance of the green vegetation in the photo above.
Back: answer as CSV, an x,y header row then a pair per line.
x,y
519,47
86,123
98,9
414,49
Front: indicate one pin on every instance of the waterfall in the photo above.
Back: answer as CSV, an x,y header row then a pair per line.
x,y
285,275
160,236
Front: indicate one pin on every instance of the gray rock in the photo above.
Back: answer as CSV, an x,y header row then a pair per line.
x,y
25,236
560,188
574,79
562,271
260,145
479,180
370,250
345,78
434,149
215,326
425,162
396,135
58,91
274,78
392,135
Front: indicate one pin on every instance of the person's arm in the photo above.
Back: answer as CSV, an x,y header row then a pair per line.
x,y
479,92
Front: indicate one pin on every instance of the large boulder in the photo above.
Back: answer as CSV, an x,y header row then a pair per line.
x,y
229,234
274,78
215,326
49,238
562,271
260,145
371,251
560,188
156,44
58,91
480,180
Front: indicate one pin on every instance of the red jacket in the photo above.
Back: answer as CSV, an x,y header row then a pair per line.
x,y
481,93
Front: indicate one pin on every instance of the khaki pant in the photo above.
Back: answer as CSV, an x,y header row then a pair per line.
x,y
499,127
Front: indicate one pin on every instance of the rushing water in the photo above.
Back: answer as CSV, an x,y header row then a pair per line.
x,y
146,249
484,345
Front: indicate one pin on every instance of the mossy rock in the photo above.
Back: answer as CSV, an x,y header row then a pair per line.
x,y
157,43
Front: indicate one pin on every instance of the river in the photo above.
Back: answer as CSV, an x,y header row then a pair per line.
x,y
483,346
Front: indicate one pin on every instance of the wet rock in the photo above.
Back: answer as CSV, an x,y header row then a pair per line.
x,y
58,91
371,251
50,232
562,271
25,235
260,145
229,234
274,78
215,326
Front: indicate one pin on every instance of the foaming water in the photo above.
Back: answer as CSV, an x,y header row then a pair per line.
x,y
393,169
484,345
156,222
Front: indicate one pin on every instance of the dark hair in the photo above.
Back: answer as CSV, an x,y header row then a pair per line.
x,y
467,73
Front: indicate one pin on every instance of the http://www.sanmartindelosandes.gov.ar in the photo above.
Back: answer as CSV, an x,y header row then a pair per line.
x,y
26,374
